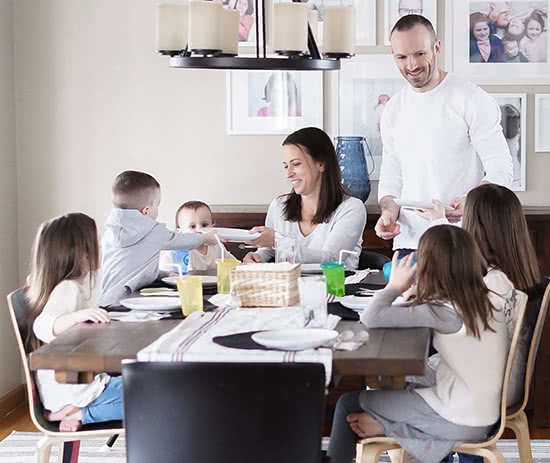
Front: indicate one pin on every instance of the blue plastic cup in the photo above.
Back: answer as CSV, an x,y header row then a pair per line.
x,y
388,265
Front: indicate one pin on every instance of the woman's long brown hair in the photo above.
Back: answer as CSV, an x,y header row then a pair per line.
x,y
65,248
494,217
451,270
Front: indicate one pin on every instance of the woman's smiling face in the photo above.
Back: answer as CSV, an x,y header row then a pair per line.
x,y
481,31
304,174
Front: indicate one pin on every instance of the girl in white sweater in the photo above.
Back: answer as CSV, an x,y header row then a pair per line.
x,y
64,261
471,336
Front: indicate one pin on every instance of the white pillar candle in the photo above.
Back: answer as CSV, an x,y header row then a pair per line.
x,y
230,22
172,26
339,30
313,20
290,27
204,25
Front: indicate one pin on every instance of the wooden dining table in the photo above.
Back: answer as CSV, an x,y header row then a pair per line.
x,y
76,355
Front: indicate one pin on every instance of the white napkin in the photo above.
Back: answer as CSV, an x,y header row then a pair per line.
x,y
358,276
137,316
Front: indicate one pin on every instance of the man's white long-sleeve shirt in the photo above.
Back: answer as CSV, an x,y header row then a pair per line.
x,y
439,145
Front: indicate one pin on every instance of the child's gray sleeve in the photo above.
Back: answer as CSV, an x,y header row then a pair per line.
x,y
170,240
380,313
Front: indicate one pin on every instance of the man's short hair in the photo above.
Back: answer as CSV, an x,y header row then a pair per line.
x,y
134,190
406,23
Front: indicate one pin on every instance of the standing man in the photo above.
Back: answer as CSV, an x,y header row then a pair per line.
x,y
441,136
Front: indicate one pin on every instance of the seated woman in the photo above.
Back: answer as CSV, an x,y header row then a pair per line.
x,y
484,47
318,213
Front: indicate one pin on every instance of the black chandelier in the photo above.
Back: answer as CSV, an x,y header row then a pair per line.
x,y
287,60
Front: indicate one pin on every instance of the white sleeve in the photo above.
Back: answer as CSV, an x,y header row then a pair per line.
x,y
63,299
345,233
391,179
483,116
266,254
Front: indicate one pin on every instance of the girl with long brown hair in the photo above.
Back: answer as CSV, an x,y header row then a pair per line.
x,y
65,258
470,333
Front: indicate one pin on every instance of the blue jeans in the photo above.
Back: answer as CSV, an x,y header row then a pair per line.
x,y
108,406
465,458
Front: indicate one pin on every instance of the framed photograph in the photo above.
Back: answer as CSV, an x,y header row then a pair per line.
x,y
395,9
273,102
542,123
514,126
502,42
365,18
366,84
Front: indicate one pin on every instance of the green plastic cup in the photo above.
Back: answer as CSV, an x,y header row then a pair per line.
x,y
335,278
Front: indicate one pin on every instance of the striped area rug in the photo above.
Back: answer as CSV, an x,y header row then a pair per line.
x,y
19,447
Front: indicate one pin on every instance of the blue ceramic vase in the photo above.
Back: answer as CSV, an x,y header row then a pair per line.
x,y
353,165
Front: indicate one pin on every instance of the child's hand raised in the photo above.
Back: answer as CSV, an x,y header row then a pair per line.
x,y
438,211
402,273
92,315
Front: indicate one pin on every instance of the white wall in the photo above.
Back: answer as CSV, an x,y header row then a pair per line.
x,y
9,357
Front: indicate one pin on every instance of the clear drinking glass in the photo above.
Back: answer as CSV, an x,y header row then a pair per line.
x,y
313,299
285,248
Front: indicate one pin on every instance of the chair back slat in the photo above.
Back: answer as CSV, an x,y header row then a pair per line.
x,y
534,347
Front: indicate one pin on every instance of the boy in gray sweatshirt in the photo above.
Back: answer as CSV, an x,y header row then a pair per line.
x,y
133,238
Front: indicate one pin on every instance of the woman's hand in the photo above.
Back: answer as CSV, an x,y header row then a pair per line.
x,y
267,238
402,273
95,315
410,293
252,258
438,211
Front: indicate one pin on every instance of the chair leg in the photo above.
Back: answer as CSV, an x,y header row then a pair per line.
x,y
43,450
520,426
398,456
60,452
370,453
71,451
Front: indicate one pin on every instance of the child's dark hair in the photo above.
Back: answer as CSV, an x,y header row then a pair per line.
x,y
134,190
193,206
61,247
451,269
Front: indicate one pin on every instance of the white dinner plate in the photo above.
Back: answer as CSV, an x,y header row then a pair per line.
x,y
235,235
356,303
409,204
207,280
311,268
294,339
161,304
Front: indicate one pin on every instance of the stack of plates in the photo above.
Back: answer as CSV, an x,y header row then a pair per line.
x,y
207,280
356,303
160,303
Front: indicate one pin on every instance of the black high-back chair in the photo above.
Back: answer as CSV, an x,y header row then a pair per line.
x,y
223,412
372,260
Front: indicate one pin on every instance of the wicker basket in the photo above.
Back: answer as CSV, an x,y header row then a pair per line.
x,y
266,288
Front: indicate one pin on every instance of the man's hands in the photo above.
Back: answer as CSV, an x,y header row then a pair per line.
x,y
438,212
456,211
387,227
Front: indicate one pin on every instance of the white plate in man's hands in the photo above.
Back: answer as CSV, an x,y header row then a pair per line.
x,y
207,280
161,304
409,204
294,339
235,235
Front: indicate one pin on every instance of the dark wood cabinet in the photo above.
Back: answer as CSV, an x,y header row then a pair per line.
x,y
538,221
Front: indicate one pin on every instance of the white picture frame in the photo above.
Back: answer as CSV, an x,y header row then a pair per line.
x,y
365,19
273,102
363,82
542,122
426,8
465,53
512,106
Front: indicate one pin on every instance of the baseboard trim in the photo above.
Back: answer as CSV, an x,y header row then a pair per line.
x,y
13,399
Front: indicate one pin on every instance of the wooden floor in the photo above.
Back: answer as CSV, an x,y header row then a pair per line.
x,y
19,420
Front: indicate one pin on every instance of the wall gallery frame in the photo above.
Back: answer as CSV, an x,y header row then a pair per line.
x,y
366,84
542,123
514,126
278,102
395,9
518,43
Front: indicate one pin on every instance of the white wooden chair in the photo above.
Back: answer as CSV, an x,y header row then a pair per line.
x,y
369,450
52,435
